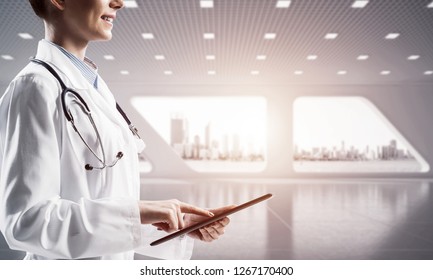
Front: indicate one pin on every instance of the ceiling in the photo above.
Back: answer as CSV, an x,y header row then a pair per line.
x,y
239,27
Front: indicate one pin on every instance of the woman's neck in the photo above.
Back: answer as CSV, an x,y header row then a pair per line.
x,y
73,45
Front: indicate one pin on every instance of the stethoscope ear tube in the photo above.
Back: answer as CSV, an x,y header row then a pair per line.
x,y
64,89
133,129
84,107
82,103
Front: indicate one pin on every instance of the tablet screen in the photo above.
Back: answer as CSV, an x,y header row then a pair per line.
x,y
211,220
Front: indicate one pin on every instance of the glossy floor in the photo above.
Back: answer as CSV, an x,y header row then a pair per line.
x,y
317,219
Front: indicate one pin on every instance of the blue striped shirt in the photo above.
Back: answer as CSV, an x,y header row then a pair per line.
x,y
88,69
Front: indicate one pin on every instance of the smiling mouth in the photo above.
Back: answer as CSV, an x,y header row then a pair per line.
x,y
107,19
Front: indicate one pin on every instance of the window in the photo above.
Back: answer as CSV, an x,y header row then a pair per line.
x,y
211,134
348,134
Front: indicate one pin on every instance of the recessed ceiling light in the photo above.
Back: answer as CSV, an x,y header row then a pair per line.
x,y
392,36
359,4
148,36
429,72
211,72
7,57
331,36
385,72
362,57
124,72
270,36
168,72
413,57
206,4
130,4
299,72
210,57
209,36
283,4
430,5
108,57
159,57
255,72
342,72
25,36
312,57
261,57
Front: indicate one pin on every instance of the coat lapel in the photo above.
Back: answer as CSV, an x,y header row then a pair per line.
x,y
72,77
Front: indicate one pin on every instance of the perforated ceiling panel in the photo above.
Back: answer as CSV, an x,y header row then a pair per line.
x,y
239,27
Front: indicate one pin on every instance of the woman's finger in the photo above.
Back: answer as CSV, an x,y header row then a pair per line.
x,y
212,232
205,235
188,208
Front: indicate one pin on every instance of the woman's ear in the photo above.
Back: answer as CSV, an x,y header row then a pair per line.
x,y
59,4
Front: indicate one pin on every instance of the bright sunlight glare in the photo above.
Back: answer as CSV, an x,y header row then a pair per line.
x,y
243,116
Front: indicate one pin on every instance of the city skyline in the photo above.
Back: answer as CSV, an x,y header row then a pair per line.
x,y
390,151
180,120
228,147
239,126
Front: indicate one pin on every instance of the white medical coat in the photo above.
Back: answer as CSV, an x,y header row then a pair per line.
x,y
51,206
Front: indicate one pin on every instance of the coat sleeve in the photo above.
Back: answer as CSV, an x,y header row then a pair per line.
x,y
176,249
33,216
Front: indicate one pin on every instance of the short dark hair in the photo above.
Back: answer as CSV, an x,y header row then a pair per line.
x,y
39,7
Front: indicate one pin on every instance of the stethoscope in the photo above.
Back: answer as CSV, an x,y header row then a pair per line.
x,y
86,110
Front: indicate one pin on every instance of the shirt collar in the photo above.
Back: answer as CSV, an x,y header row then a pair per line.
x,y
88,68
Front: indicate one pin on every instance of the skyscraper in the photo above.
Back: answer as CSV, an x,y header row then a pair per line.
x,y
208,135
393,149
177,129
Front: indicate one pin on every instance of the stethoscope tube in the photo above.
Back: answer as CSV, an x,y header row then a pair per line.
x,y
85,108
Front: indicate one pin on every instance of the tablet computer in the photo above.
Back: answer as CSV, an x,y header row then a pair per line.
x,y
211,220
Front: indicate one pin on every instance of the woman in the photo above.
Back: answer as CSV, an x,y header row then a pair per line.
x,y
58,199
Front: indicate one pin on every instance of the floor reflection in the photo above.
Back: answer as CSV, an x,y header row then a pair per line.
x,y
312,219
309,219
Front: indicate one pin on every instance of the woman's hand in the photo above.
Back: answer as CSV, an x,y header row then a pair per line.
x,y
168,215
210,232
